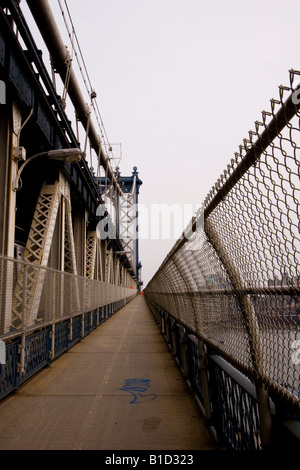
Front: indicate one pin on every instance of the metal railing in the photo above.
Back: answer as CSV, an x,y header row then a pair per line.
x,y
35,329
60,295
233,277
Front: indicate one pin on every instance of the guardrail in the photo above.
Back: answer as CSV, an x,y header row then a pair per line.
x,y
226,397
36,333
233,277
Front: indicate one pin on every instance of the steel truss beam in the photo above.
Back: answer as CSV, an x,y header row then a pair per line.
x,y
91,251
30,282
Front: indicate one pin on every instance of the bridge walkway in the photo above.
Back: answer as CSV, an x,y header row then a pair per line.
x,y
117,389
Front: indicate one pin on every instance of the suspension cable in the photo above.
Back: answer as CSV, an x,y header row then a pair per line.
x,y
82,67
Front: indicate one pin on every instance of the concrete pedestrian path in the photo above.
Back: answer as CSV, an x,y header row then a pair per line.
x,y
117,389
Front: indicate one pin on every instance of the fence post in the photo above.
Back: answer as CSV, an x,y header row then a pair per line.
x,y
204,379
253,332
21,365
52,336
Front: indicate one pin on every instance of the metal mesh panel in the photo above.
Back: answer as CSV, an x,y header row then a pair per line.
x,y
235,280
8,371
61,295
236,412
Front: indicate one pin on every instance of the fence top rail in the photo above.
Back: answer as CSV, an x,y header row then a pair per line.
x,y
53,270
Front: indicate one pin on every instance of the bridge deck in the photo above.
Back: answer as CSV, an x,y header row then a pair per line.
x,y
118,389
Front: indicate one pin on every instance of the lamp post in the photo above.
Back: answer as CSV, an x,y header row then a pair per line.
x,y
71,155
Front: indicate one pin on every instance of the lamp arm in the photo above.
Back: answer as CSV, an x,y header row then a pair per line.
x,y
70,155
16,183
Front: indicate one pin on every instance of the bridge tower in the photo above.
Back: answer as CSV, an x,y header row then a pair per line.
x,y
124,214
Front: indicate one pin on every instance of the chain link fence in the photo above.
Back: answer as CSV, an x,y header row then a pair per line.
x,y
233,277
33,296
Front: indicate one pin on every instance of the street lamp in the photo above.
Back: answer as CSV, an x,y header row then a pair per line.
x,y
72,155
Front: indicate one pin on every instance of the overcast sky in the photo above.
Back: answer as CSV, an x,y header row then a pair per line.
x,y
180,83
